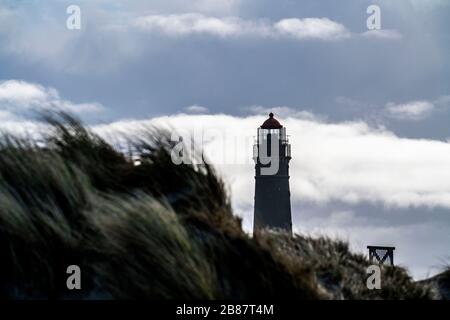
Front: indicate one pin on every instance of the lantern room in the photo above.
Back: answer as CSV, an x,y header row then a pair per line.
x,y
269,131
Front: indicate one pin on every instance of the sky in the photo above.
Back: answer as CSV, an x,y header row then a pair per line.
x,y
367,111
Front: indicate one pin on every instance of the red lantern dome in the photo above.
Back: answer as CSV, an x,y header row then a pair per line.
x,y
271,123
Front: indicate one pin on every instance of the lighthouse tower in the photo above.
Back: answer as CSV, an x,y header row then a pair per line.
x,y
271,154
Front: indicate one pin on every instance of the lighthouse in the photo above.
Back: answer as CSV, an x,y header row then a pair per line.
x,y
272,153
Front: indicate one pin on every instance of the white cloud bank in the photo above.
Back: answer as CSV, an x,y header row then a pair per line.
x,y
19,96
294,28
347,162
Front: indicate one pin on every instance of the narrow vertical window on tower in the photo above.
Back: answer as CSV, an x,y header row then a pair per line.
x,y
272,153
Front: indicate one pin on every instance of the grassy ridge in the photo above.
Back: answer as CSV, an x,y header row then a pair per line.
x,y
152,231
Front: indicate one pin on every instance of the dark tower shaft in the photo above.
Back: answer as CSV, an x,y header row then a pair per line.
x,y
271,154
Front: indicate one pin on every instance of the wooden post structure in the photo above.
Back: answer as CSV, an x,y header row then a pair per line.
x,y
382,255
